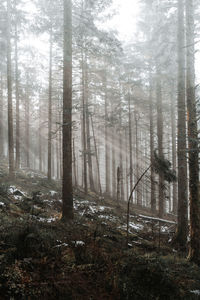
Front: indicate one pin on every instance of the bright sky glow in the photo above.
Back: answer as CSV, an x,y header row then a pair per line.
x,y
126,19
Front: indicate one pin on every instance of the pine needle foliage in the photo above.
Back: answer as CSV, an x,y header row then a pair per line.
x,y
162,165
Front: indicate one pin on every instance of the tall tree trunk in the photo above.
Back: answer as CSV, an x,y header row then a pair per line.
x,y
96,155
121,157
17,162
113,164
9,87
49,172
107,148
127,164
67,189
84,129
60,145
1,119
174,148
89,152
27,125
118,184
74,163
194,253
182,228
130,141
138,189
40,136
152,178
160,140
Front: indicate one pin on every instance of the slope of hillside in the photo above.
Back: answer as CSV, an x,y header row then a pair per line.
x,y
40,257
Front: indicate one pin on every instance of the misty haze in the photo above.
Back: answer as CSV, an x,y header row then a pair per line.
x,y
99,149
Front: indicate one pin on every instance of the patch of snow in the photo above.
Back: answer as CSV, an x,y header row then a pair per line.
x,y
48,220
137,242
105,217
79,243
102,208
84,202
61,245
36,207
164,229
93,209
196,292
111,218
49,201
12,189
136,226
2,204
53,193
17,197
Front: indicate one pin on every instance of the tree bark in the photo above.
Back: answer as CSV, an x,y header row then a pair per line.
x,y
27,124
152,178
67,189
9,88
89,152
49,172
194,251
96,155
40,136
174,154
17,162
160,140
1,119
84,129
130,141
182,227
107,148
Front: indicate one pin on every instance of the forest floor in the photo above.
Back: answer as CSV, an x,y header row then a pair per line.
x,y
43,258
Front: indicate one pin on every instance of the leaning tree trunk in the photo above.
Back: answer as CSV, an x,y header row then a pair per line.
x,y
9,88
194,253
67,189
